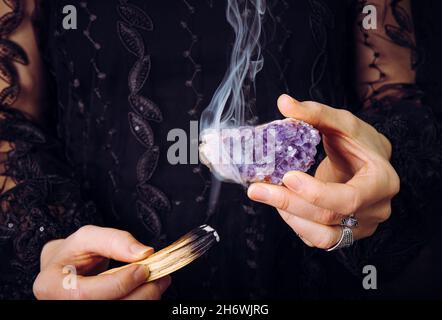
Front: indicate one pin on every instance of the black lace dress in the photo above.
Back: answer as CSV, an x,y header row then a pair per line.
x,y
134,70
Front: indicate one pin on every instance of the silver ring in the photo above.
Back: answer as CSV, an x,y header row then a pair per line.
x,y
350,222
345,241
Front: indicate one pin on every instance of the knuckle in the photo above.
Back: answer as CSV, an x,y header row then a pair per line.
x,y
355,202
388,179
315,197
326,241
312,104
116,238
385,213
351,121
283,202
316,108
84,230
347,116
329,217
118,235
80,234
395,183
126,235
46,250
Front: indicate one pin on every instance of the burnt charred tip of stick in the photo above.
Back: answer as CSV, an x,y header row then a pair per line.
x,y
202,238
202,231
197,234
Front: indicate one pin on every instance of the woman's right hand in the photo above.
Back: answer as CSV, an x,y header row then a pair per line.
x,y
87,252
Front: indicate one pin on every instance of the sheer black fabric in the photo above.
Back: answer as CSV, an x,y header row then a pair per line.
x,y
133,71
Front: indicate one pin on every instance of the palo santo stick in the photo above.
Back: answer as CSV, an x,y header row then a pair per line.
x,y
177,255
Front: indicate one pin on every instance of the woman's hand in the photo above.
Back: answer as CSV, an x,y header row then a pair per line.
x,y
356,178
88,251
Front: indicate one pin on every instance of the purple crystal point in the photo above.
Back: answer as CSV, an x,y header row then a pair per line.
x,y
260,154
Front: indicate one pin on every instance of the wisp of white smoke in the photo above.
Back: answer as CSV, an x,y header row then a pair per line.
x,y
227,108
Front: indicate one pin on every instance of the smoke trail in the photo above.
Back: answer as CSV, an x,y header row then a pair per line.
x,y
227,108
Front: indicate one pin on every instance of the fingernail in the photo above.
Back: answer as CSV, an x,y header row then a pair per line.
x,y
285,98
292,181
141,274
259,193
139,250
290,98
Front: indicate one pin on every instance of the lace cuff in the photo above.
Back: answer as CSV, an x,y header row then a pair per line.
x,y
416,143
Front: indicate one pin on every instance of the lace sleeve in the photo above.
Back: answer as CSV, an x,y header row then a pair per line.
x,y
39,201
392,102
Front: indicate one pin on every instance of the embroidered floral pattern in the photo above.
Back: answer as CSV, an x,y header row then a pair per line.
x,y
150,200
10,52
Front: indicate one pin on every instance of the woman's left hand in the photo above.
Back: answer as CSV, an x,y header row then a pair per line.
x,y
356,178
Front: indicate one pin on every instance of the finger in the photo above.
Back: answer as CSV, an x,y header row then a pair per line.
x,y
111,286
326,119
363,189
49,285
308,243
275,196
327,171
106,242
313,234
321,236
150,291
288,201
54,283
375,214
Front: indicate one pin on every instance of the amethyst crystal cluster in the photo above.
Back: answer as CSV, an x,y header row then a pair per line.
x,y
259,154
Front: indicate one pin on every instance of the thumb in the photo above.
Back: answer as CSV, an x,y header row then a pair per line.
x,y
106,242
324,118
112,286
